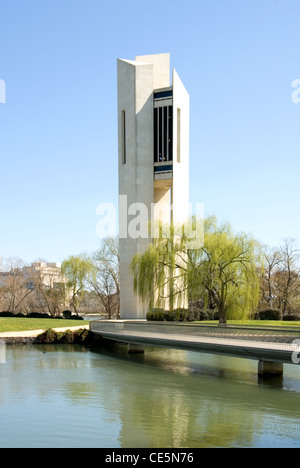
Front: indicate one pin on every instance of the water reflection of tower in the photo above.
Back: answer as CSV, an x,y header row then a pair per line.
x,y
153,121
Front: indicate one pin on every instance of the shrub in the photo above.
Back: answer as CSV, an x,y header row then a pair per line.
x,y
82,336
38,315
67,314
170,316
202,315
157,315
76,317
47,337
194,315
67,337
292,318
177,315
269,314
11,314
6,314
50,336
182,315
206,314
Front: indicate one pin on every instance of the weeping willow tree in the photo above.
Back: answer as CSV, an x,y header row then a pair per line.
x,y
77,271
223,270
161,273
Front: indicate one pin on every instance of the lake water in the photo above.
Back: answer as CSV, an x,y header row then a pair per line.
x,y
68,396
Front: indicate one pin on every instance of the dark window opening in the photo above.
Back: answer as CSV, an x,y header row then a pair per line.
x,y
163,134
123,127
160,136
163,94
163,168
171,133
155,135
165,112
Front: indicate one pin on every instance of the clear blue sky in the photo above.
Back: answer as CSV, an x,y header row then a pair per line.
x,y
58,128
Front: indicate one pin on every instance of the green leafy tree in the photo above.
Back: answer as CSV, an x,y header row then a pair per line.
x,y
222,270
161,272
225,270
77,270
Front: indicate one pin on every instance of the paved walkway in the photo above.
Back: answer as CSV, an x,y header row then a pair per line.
x,y
34,333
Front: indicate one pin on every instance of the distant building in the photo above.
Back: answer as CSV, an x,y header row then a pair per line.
x,y
38,274
37,287
48,274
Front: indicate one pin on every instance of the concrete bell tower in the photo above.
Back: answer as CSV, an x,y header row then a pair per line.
x,y
153,133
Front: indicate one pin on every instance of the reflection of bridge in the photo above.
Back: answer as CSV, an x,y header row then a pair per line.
x,y
270,346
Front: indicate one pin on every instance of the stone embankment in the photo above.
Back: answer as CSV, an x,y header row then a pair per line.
x,y
17,340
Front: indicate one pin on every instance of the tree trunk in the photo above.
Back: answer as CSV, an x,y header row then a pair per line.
x,y
222,315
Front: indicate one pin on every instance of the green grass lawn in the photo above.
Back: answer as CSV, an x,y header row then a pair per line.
x,y
8,324
266,323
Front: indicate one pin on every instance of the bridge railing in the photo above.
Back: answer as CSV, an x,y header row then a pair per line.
x,y
263,334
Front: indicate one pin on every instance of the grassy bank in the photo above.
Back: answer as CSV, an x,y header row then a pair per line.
x,y
10,324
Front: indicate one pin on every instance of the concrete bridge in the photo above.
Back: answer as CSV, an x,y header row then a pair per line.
x,y
270,346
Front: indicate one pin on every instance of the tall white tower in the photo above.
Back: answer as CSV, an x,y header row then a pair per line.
x,y
153,122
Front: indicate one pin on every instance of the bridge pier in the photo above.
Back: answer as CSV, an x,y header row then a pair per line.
x,y
266,368
135,348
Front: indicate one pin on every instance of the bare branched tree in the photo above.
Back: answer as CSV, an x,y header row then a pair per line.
x,y
106,283
289,273
280,279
